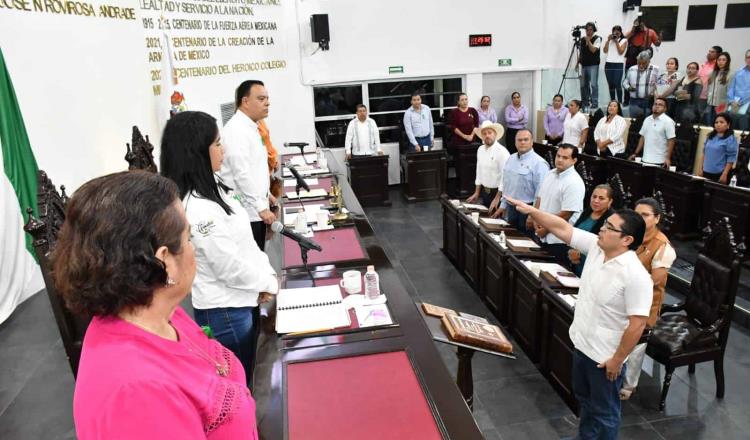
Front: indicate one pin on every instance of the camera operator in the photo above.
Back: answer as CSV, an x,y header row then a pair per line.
x,y
640,38
589,59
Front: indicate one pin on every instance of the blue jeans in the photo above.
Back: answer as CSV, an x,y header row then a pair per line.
x,y
590,85
423,141
515,218
234,328
614,72
599,399
639,106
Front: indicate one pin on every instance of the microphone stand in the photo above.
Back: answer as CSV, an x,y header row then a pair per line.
x,y
303,250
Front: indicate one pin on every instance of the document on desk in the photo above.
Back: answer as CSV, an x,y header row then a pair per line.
x,y
522,243
370,316
310,309
317,192
293,182
475,207
493,221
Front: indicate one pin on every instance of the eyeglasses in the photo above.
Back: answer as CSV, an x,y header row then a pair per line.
x,y
608,226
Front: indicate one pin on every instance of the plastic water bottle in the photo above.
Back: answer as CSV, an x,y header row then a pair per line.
x,y
502,238
372,283
733,181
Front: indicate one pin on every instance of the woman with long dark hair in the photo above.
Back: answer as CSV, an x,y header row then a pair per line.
x,y
614,65
610,131
516,118
591,219
718,83
233,275
720,150
687,94
656,255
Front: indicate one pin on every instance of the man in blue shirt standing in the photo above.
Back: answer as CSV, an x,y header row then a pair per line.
x,y
522,177
418,125
738,95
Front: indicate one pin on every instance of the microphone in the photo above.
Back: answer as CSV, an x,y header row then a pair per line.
x,y
300,145
300,181
303,242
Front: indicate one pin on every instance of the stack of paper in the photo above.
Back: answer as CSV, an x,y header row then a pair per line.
x,y
310,309
291,183
317,192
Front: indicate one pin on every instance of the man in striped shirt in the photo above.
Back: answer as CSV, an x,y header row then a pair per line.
x,y
640,82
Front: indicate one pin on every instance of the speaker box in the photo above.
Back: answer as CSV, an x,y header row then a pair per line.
x,y
319,26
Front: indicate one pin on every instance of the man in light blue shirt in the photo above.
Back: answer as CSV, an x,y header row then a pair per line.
x,y
522,177
418,125
738,95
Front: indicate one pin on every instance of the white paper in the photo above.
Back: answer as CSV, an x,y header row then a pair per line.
x,y
494,221
318,192
475,207
318,308
317,228
522,243
551,268
298,160
567,298
293,182
369,316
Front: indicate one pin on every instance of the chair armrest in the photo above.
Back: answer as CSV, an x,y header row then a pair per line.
x,y
672,307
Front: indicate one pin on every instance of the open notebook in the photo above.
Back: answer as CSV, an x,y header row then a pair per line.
x,y
310,309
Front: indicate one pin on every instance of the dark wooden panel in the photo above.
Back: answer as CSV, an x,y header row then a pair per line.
x,y
450,230
424,175
468,249
557,348
637,178
682,193
465,158
525,308
726,201
493,277
597,166
368,176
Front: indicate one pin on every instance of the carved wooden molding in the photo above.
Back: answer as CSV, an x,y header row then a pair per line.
x,y
719,243
140,153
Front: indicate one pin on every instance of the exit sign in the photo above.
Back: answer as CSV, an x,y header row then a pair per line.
x,y
396,69
504,62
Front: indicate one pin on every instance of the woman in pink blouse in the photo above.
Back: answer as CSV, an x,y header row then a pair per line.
x,y
147,371
516,118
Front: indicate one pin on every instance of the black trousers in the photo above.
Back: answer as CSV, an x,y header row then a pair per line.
x,y
259,233
486,195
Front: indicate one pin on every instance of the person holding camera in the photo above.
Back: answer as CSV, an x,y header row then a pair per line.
x,y
640,38
589,59
614,63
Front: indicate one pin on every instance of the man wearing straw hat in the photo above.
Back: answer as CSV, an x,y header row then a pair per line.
x,y
491,158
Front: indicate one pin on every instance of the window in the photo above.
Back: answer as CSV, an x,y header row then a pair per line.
x,y
662,19
386,102
701,17
738,15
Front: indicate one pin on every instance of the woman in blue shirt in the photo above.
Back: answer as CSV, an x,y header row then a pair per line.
x,y
720,150
592,218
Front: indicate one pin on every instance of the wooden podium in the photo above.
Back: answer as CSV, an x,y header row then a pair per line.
x,y
423,175
368,176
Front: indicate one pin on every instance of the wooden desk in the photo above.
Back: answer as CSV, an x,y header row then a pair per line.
x,y
450,229
556,362
424,174
468,249
683,193
275,354
368,176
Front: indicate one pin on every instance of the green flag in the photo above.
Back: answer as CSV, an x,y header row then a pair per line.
x,y
18,159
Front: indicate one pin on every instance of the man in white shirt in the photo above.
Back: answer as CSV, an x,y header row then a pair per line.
x,y
612,309
561,193
657,136
491,158
245,167
640,84
362,135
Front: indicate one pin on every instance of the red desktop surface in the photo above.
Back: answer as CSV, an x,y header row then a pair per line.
x,y
340,244
374,396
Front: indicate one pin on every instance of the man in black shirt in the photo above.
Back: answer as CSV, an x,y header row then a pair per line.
x,y
589,60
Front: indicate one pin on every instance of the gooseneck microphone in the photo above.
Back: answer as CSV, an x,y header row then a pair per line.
x,y
304,242
300,181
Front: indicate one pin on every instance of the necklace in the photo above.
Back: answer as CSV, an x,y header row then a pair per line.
x,y
221,370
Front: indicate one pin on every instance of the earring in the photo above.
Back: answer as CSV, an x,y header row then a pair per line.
x,y
170,281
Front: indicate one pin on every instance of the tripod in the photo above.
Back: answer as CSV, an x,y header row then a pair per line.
x,y
574,51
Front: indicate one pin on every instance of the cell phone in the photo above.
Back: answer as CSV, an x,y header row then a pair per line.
x,y
566,274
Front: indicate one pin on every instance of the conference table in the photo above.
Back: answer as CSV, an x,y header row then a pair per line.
x,y
531,307
385,381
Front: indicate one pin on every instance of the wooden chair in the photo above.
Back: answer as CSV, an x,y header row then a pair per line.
x,y
141,155
588,179
686,143
44,232
743,157
633,135
590,146
699,332
668,216
621,197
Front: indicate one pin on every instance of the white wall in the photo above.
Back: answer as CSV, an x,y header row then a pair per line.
x,y
693,45
82,82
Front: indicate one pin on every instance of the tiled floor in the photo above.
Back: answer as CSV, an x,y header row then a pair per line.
x,y
512,399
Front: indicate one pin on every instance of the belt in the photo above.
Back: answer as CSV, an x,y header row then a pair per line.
x,y
487,189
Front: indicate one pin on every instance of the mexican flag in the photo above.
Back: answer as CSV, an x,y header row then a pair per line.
x,y
20,275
